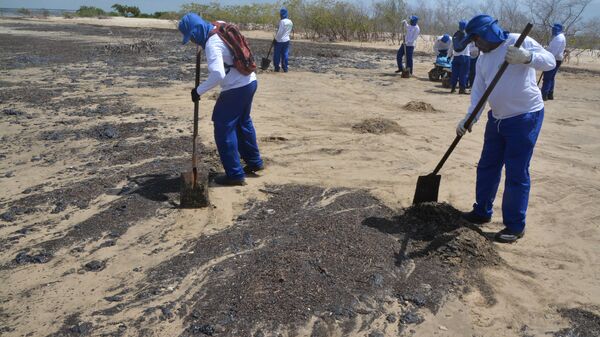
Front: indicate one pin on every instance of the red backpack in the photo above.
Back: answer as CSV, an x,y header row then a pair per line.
x,y
243,60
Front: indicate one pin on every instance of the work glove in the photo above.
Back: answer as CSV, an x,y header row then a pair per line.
x,y
460,128
195,96
516,55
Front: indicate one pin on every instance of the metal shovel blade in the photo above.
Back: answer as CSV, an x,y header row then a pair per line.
x,y
405,73
428,188
194,194
265,63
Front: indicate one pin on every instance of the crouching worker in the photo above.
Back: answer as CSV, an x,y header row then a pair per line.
x,y
443,46
513,125
234,132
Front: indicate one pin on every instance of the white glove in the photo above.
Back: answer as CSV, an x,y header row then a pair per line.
x,y
516,55
460,128
404,21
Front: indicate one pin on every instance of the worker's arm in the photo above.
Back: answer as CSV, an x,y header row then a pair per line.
x,y
532,54
477,90
542,59
216,66
280,31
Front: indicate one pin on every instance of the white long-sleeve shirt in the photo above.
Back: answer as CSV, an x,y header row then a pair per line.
x,y
474,50
284,30
441,45
412,33
517,91
217,55
557,46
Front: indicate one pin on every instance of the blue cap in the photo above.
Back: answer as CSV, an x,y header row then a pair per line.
x,y
445,38
193,25
283,13
557,28
414,19
484,26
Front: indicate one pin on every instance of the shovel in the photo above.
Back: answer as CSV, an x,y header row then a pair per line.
x,y
194,184
266,62
428,186
406,70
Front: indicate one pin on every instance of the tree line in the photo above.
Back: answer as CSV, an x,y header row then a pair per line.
x,y
335,20
379,20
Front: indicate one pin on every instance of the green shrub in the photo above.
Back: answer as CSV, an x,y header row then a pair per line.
x,y
24,11
89,11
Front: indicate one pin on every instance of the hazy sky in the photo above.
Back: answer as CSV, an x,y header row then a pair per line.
x,y
150,6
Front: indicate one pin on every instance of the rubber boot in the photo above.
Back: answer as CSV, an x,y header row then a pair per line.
x,y
462,91
545,97
453,90
551,96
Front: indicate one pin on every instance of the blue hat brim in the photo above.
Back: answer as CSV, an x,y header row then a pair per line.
x,y
186,38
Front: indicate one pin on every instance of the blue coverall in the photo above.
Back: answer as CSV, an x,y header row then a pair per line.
x,y
507,142
460,70
409,57
234,132
281,54
548,85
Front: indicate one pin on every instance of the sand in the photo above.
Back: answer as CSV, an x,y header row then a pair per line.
x,y
304,123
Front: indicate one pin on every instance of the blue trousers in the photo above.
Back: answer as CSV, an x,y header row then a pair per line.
x,y
472,69
409,57
234,132
281,54
460,70
509,143
548,86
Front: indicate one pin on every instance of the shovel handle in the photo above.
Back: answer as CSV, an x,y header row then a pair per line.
x,y
270,48
196,109
482,100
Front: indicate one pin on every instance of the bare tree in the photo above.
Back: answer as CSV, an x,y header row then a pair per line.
x,y
544,13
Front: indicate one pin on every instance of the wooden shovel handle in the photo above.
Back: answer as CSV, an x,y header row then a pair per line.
x,y
196,109
482,100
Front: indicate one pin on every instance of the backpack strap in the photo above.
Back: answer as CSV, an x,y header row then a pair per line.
x,y
215,30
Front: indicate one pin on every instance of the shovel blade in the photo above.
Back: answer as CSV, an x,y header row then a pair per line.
x,y
405,74
194,195
265,63
428,188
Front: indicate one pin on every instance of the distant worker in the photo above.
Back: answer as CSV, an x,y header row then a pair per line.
x,y
233,128
514,121
412,31
460,61
282,41
557,48
443,46
472,69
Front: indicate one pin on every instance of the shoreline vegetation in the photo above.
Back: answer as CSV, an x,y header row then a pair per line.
x,y
381,20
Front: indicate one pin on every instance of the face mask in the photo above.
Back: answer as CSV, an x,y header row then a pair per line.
x,y
486,47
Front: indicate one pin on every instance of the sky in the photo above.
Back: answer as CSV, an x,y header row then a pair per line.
x,y
150,6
